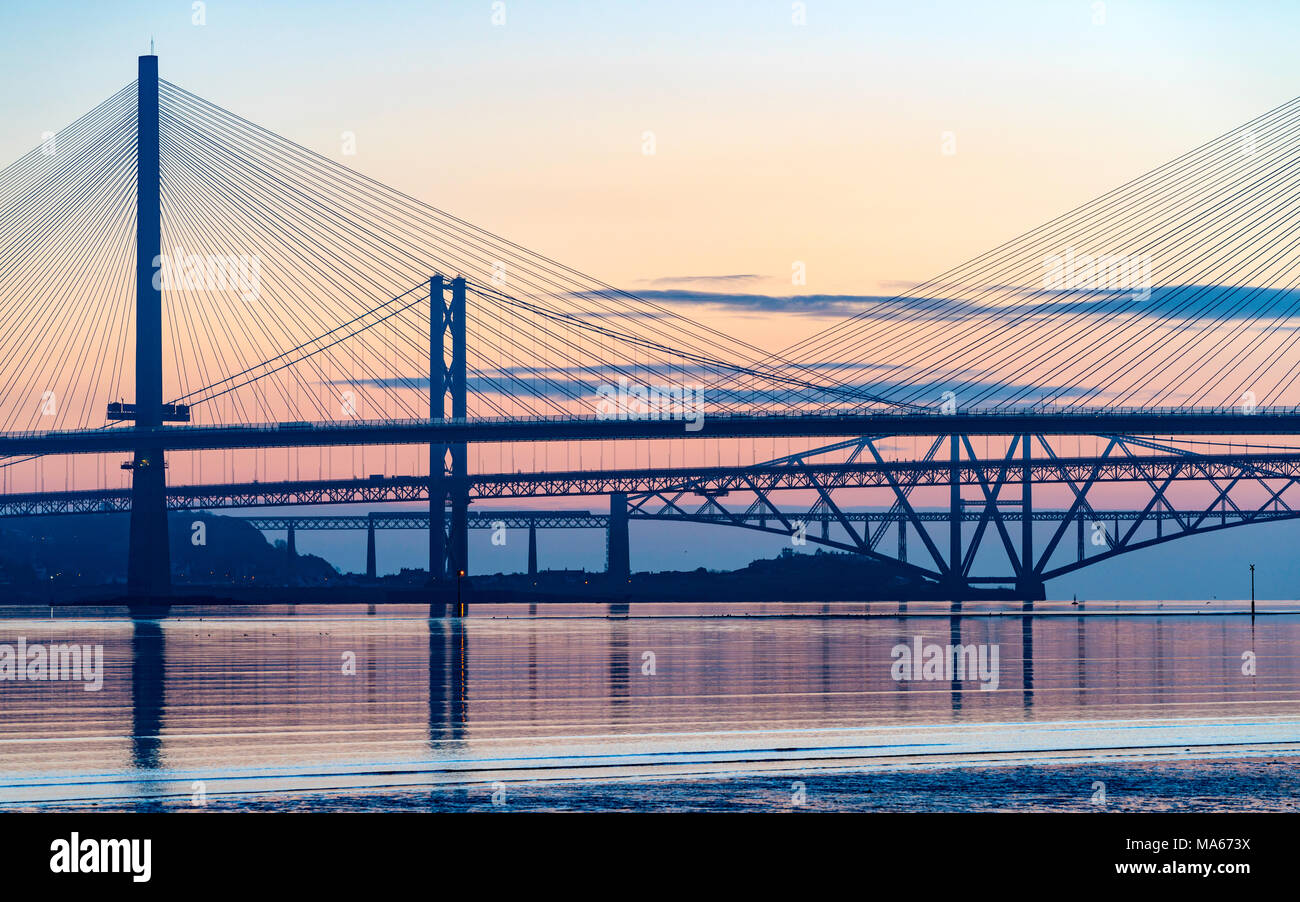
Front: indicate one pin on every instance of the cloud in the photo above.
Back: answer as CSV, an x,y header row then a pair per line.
x,y
822,304
737,279
1185,303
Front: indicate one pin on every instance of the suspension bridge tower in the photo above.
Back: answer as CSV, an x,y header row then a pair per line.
x,y
448,464
149,555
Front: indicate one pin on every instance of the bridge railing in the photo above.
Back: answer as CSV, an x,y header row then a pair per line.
x,y
883,414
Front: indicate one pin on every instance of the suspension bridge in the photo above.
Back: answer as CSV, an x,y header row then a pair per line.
x,y
188,288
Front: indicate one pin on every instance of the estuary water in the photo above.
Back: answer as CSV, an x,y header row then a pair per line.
x,y
666,707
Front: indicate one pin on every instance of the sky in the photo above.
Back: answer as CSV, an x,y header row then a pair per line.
x,y
873,145
774,142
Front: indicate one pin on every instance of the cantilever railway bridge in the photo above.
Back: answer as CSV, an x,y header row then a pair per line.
x,y
225,291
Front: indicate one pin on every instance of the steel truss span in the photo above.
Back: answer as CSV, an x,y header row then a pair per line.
x,y
706,481
1242,488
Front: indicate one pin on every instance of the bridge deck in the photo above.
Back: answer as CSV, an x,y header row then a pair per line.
x,y
1165,422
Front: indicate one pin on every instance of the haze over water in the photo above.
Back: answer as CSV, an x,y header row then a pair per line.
x,y
668,706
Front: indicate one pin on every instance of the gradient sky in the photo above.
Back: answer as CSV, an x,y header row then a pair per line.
x,y
775,142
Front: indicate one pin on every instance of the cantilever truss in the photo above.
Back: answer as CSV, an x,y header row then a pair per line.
x,y
1244,488
990,496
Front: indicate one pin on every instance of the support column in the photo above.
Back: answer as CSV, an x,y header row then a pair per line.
x,y
459,538
1027,504
902,539
291,556
448,543
954,510
148,569
437,453
1030,587
618,562
371,570
1080,536
532,548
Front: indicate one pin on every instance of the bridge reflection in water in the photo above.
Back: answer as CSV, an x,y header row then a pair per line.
x,y
266,706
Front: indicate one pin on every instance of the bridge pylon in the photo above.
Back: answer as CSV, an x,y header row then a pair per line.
x,y
448,464
372,570
618,563
1029,580
291,556
149,553
955,574
532,549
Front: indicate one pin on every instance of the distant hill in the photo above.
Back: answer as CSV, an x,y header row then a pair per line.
x,y
91,550
820,576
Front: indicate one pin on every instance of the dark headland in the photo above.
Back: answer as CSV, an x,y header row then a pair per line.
x,y
81,560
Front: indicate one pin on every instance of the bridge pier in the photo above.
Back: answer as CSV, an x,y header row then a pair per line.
x,y
459,452
437,453
955,578
291,556
618,563
448,485
1029,585
532,548
372,571
148,568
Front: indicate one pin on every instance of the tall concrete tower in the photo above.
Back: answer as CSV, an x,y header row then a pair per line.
x,y
149,556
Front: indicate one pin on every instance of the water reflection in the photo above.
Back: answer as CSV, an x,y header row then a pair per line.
x,y
837,668
1027,664
148,692
448,679
619,674
954,639
1081,672
256,692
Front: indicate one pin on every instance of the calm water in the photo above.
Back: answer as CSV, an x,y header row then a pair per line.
x,y
672,707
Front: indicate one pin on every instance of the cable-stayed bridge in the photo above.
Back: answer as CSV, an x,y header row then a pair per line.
x,y
191,289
